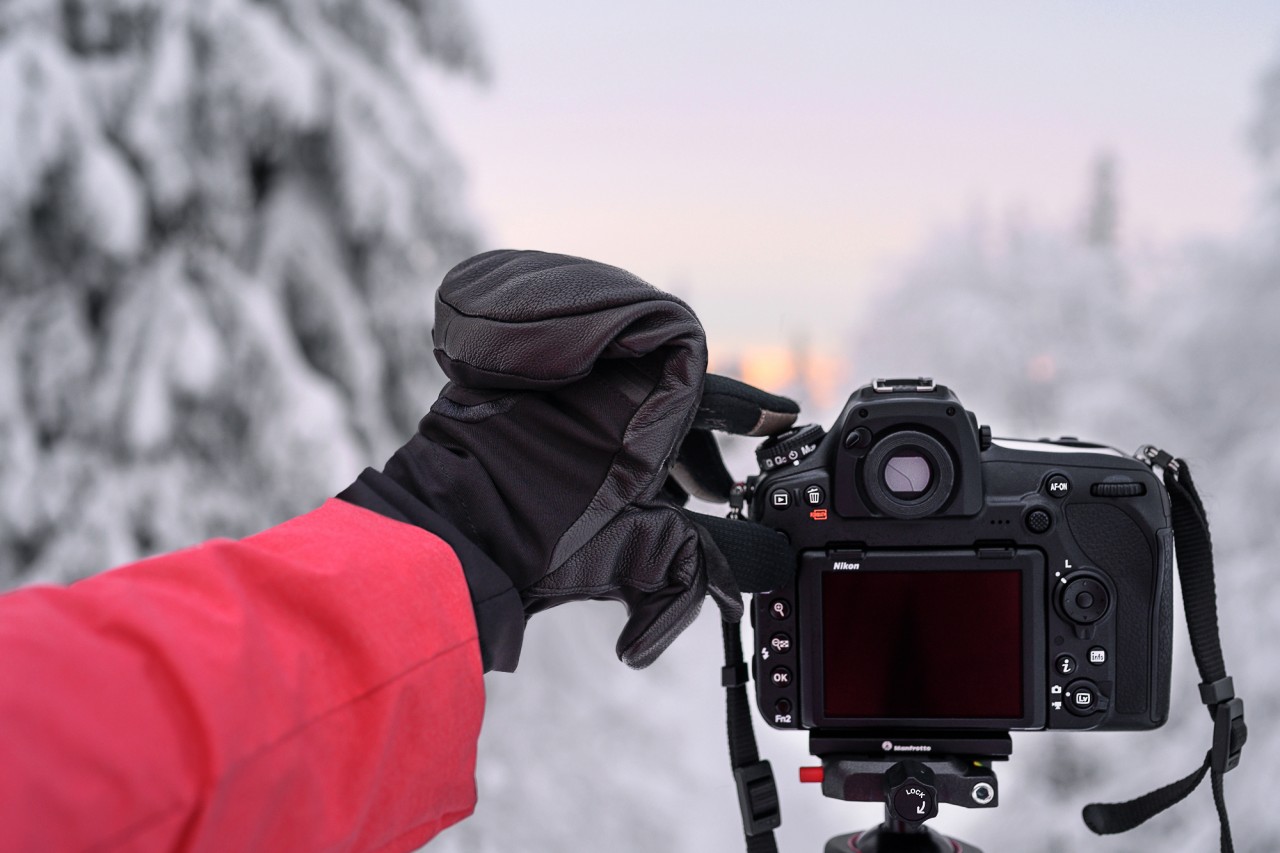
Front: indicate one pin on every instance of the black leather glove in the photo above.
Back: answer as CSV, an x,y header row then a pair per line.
x,y
544,463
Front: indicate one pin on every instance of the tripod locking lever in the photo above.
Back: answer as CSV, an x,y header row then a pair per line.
x,y
910,793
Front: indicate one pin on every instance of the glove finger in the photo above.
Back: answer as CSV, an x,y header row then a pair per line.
x,y
761,559
656,619
722,586
729,406
735,407
649,558
699,468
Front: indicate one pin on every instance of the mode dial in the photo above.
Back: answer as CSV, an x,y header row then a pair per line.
x,y
790,447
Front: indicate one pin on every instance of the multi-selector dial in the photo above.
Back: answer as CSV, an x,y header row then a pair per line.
x,y
1085,599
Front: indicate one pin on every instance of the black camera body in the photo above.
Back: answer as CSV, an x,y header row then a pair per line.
x,y
951,582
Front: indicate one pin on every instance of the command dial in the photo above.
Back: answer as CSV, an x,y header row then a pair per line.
x,y
789,448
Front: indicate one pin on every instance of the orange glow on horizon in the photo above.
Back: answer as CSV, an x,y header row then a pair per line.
x,y
770,368
816,376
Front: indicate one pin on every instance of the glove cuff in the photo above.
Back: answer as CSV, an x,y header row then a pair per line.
x,y
500,617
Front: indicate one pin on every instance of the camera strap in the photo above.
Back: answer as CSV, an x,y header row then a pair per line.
x,y
1199,596
757,791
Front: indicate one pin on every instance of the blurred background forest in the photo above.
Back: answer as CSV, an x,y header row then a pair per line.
x,y
221,224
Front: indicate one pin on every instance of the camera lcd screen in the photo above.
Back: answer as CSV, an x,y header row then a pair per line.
x,y
922,644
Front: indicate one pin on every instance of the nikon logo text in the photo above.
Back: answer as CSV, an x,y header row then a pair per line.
x,y
846,567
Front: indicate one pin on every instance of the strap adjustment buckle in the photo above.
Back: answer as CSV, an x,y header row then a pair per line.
x,y
1216,692
1227,711
733,675
757,798
1225,754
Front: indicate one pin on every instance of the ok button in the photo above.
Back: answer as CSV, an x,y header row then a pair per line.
x,y
780,676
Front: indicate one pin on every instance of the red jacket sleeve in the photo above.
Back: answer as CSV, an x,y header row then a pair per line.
x,y
317,686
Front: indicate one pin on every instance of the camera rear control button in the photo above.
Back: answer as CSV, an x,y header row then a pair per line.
x,y
780,643
857,438
1038,521
1097,655
1084,698
1057,486
780,676
780,608
782,706
1065,665
814,496
780,499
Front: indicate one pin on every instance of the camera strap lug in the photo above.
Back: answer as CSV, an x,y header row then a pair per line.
x,y
1154,457
740,496
1217,691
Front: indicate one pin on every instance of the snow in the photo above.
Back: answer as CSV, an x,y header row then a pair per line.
x,y
210,329
221,224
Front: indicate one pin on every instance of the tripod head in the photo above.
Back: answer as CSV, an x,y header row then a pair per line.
x,y
912,776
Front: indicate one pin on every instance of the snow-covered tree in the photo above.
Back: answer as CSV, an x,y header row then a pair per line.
x,y
221,223
1042,333
1102,214
1011,319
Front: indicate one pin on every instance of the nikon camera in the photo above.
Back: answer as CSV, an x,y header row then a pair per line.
x,y
951,581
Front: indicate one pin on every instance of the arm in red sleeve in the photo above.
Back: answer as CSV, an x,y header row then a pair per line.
x,y
314,687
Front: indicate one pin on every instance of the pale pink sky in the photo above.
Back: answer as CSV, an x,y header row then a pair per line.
x,y
770,162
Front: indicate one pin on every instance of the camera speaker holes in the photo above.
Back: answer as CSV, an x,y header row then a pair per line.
x,y
999,521
982,793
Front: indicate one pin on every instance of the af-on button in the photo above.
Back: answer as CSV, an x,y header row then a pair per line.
x,y
1057,486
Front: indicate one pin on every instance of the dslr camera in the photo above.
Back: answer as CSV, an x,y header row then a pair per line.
x,y
954,583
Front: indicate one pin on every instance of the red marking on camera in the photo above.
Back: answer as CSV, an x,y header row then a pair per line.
x,y
818,515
